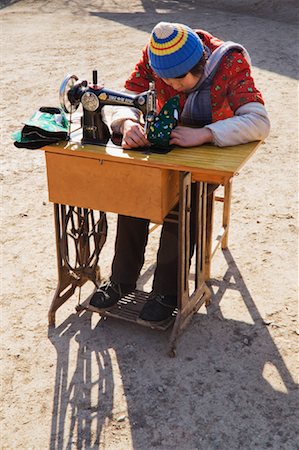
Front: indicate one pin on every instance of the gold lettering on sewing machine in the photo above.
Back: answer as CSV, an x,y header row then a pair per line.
x,y
121,99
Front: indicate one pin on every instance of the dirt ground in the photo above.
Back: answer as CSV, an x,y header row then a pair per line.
x,y
95,384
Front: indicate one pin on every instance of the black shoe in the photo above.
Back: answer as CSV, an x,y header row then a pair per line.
x,y
158,308
108,295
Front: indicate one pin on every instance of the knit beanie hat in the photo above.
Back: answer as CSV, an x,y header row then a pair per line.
x,y
173,49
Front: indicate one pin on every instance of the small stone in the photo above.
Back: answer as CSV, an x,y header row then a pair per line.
x,y
267,322
161,389
121,418
246,341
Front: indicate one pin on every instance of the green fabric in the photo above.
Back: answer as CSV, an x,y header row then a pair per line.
x,y
50,122
45,126
165,122
17,136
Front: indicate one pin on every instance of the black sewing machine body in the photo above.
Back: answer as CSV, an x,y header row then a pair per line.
x,y
93,98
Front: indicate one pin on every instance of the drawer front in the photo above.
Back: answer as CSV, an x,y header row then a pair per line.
x,y
122,188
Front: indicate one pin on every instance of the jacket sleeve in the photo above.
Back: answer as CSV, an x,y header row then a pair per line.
x,y
114,116
250,123
137,82
139,79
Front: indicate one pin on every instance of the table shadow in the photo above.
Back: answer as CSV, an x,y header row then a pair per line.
x,y
213,395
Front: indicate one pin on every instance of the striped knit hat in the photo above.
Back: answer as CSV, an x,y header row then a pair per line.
x,y
173,49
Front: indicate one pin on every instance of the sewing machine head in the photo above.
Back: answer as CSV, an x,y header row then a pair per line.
x,y
93,97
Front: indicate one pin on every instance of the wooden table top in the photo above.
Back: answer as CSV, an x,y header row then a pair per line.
x,y
206,163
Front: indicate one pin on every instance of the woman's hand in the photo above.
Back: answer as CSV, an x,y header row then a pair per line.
x,y
190,137
133,135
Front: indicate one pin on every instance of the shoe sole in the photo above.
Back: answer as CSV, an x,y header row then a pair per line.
x,y
153,324
100,310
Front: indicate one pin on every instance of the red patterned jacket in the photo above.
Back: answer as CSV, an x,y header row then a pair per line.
x,y
232,87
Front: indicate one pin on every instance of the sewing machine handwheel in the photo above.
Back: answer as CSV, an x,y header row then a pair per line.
x,y
66,85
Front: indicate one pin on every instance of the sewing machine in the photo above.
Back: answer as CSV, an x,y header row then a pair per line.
x,y
93,97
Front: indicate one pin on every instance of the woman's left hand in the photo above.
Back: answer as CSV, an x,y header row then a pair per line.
x,y
190,137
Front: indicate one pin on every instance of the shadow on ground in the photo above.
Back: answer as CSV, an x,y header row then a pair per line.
x,y
286,11
227,19
220,421
227,26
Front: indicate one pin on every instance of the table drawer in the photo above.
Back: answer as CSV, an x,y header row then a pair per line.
x,y
123,188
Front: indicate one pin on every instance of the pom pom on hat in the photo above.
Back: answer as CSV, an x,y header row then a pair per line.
x,y
174,49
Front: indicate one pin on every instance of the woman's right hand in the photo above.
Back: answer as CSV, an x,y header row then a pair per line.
x,y
133,135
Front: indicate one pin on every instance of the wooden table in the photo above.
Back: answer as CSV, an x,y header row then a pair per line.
x,y
85,181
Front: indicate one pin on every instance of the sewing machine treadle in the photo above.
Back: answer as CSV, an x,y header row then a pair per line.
x,y
128,308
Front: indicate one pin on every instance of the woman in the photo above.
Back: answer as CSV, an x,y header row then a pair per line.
x,y
220,104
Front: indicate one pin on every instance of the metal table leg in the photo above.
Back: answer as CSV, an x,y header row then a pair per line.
x,y
188,304
80,236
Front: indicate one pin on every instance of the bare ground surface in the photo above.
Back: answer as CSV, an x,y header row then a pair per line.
x,y
95,384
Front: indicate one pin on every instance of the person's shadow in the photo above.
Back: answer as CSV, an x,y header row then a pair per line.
x,y
228,387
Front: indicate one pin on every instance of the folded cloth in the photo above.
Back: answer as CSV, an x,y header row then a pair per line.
x,y
47,126
160,130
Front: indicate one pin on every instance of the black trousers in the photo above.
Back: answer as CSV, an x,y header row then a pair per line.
x,y
131,241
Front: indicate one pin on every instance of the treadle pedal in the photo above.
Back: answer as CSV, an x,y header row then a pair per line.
x,y
128,308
